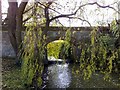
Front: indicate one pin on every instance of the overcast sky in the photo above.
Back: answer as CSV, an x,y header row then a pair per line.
x,y
92,14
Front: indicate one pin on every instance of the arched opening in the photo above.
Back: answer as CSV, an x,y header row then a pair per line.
x,y
58,50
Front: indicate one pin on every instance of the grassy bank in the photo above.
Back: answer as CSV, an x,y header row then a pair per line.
x,y
11,75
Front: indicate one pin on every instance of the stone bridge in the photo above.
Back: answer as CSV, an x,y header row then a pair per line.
x,y
78,34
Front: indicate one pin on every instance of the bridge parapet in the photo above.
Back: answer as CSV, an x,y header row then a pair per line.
x,y
77,33
54,33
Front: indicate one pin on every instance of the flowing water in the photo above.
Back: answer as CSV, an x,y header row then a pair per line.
x,y
63,76
60,76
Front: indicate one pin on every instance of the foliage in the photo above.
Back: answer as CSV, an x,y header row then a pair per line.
x,y
11,75
60,48
65,49
115,29
33,55
99,56
53,48
12,79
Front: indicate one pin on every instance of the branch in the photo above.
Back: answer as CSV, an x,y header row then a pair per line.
x,y
26,19
4,13
41,4
80,19
27,10
60,16
60,22
22,6
107,6
54,10
47,4
5,21
94,3
58,4
48,8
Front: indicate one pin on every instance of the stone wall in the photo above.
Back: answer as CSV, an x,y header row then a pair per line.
x,y
7,50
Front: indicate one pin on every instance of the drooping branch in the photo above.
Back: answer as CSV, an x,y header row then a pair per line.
x,y
80,19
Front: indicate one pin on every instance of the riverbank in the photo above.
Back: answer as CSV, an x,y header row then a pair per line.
x,y
59,76
11,75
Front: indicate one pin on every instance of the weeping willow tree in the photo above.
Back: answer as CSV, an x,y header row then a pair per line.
x,y
99,56
66,48
93,57
34,53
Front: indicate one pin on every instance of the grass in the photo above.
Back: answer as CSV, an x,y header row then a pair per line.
x,y
11,75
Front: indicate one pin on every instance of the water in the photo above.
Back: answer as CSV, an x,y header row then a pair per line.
x,y
59,76
63,76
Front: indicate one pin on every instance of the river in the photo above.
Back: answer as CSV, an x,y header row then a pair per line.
x,y
64,76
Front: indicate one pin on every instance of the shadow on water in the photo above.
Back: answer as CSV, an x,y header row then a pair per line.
x,y
63,76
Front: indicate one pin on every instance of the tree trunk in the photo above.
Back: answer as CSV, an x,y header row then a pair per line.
x,y
19,19
45,32
19,28
12,25
15,16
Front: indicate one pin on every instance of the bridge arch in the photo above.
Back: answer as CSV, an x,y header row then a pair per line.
x,y
73,40
74,54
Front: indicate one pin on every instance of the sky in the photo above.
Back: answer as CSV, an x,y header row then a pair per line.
x,y
92,14
94,17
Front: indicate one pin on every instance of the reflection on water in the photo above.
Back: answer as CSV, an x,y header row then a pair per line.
x,y
61,76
